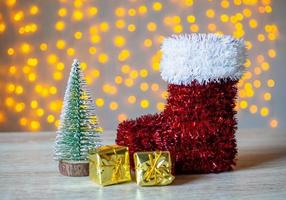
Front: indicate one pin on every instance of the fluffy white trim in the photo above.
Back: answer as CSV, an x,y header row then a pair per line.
x,y
202,57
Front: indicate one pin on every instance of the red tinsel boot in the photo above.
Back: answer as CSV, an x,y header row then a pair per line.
x,y
198,123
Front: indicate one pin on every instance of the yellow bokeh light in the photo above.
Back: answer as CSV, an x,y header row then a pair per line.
x,y
70,51
95,39
10,51
2,117
123,55
144,86
144,103
212,27
271,83
23,121
50,119
191,18
62,12
92,11
120,24
25,48
148,42
19,107
57,76
35,125
224,4
19,16
12,70
265,66
154,87
43,47
40,112
267,96
273,123
32,77
253,23
52,58
125,69
92,50
257,70
122,117
257,83
132,12
9,102
99,102
10,88
194,28
142,10
2,27
143,73
271,53
19,90
164,94
177,28
11,3
34,10
104,26
131,99
60,25
78,35
103,58
210,13
61,44
77,15
224,18
118,80
113,105
253,109
151,26
95,73
131,27
188,2
120,12
129,82
119,41
133,74
243,104
264,111
157,6
34,104
260,37
160,106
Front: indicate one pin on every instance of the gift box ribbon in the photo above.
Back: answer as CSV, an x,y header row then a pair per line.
x,y
114,161
154,168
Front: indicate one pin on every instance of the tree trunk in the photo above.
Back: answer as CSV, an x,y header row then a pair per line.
x,y
74,168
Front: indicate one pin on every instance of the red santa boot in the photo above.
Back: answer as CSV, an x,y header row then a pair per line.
x,y
198,123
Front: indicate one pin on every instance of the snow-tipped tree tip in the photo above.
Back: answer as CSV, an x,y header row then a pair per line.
x,y
202,57
76,62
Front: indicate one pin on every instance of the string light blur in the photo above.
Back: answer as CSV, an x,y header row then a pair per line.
x,y
120,54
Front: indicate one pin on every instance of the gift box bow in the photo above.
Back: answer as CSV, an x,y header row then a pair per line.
x,y
156,168
110,158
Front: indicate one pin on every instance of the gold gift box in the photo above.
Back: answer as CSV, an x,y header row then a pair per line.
x,y
109,165
153,168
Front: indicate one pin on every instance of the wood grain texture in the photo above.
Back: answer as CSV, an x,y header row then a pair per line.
x,y
73,169
27,171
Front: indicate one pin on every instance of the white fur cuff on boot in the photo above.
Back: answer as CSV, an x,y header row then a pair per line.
x,y
202,57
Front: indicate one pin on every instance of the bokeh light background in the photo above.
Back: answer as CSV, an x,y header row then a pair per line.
x,y
118,44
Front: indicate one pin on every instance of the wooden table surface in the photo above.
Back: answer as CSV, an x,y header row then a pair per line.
x,y
27,171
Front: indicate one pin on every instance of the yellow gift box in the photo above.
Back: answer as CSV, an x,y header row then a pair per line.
x,y
153,168
109,165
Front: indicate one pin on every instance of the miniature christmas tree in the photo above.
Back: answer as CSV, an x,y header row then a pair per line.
x,y
78,130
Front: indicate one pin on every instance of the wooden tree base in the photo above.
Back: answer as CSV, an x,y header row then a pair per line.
x,y
74,168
